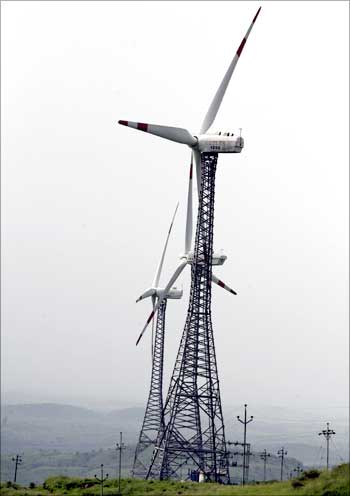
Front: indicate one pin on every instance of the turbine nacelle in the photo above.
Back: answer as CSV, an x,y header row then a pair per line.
x,y
204,143
220,143
218,258
174,293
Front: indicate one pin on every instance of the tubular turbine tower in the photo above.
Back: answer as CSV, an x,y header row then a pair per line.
x,y
194,433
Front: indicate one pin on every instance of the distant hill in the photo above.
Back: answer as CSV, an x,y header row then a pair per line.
x,y
47,412
65,427
69,428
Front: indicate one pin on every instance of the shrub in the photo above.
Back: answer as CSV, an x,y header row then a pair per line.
x,y
87,483
296,484
13,485
312,474
32,485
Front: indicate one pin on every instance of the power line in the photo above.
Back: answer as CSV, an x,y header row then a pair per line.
x,y
336,450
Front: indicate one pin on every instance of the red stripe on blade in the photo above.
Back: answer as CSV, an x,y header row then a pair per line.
x,y
123,123
221,284
191,170
256,15
241,46
142,127
150,317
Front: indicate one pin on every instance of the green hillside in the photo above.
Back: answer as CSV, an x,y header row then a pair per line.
x,y
311,483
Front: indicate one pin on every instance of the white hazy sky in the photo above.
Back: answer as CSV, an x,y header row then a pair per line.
x,y
86,203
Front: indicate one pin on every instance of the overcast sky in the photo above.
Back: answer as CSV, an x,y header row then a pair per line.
x,y
86,204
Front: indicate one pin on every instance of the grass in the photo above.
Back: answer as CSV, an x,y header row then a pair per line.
x,y
333,483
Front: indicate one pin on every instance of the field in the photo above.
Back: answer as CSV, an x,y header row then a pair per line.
x,y
311,483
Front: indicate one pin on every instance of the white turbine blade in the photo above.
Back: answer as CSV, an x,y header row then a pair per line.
x,y
222,284
219,95
162,298
149,292
197,159
160,265
188,236
152,337
177,134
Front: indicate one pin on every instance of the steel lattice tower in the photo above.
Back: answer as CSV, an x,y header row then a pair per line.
x,y
195,433
153,422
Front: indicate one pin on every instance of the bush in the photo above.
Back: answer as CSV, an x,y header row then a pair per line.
x,y
32,485
296,484
13,485
311,474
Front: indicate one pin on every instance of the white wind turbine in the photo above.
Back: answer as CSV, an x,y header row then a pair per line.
x,y
186,258
203,143
155,291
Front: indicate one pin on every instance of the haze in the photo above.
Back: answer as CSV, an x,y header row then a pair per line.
x,y
86,204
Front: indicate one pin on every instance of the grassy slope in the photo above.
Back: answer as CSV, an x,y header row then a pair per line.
x,y
334,483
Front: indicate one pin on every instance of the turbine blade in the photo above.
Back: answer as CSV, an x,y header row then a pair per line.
x,y
176,274
219,95
222,284
160,265
177,134
197,159
149,292
152,337
188,236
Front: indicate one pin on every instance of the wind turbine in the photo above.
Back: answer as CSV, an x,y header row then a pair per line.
x,y
204,142
153,421
194,427
186,259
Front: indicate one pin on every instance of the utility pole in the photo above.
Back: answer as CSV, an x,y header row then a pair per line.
x,y
327,433
281,453
248,459
102,479
244,422
18,461
264,456
298,470
120,447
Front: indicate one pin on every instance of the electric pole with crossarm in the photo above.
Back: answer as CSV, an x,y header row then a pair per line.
x,y
281,453
120,447
327,433
264,456
101,479
18,461
245,422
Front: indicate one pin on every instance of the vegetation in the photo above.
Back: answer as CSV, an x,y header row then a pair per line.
x,y
311,483
37,467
